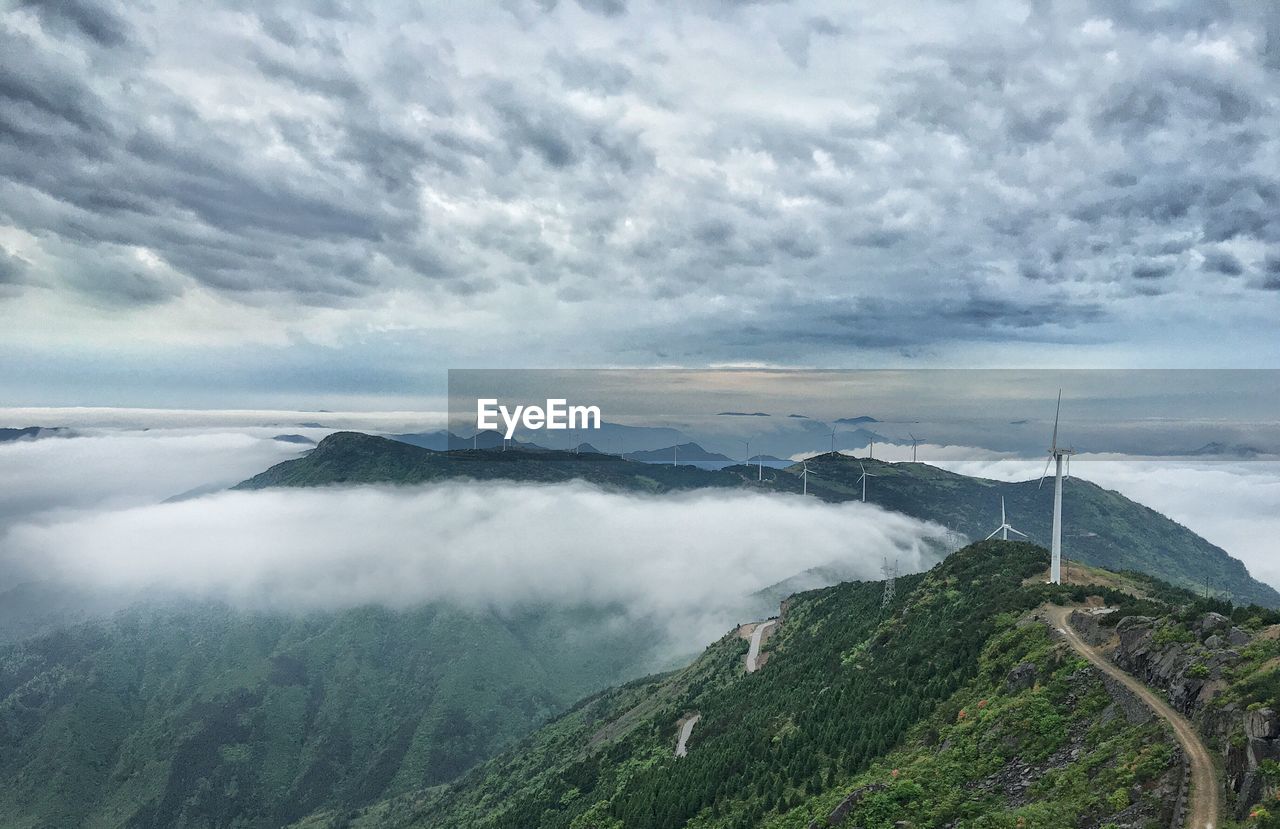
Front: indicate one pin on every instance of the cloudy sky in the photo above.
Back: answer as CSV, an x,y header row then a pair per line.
x,y
330,203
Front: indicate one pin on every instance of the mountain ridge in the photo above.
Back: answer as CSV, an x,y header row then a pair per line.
x,y
1103,527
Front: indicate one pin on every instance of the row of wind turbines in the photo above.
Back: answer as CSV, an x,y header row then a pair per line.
x,y
1058,456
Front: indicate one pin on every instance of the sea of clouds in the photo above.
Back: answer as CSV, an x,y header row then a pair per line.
x,y
98,512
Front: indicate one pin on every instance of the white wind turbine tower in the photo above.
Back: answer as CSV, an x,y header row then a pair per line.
x,y
804,476
833,441
1056,455
759,462
863,480
1005,527
914,441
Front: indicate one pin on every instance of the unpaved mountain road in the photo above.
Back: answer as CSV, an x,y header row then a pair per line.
x,y
686,728
1203,805
753,652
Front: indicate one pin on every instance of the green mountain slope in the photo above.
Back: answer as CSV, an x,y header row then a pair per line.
x,y
922,713
355,458
1103,528
211,718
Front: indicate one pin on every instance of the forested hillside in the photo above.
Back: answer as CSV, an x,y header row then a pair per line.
x,y
206,717
947,674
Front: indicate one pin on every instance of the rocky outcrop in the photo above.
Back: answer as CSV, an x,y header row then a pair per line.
x,y
1154,805
1189,673
841,811
1088,625
1189,669
1022,676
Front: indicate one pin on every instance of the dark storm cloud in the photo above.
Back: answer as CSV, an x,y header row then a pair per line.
x,y
12,268
1271,273
1220,261
13,274
1164,15
1152,270
1010,180
121,285
579,71
96,21
607,8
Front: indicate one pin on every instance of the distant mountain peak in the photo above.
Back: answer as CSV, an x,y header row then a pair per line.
x,y
679,453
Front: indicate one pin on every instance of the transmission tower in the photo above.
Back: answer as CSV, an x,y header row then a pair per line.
x,y
890,583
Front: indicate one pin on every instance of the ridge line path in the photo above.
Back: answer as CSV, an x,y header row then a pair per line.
x,y
753,653
1202,811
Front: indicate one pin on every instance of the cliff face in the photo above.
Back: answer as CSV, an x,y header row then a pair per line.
x,y
1194,665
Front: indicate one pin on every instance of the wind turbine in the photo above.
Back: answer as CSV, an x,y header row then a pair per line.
x,y
1056,454
833,441
759,463
871,449
914,441
1005,527
804,476
863,481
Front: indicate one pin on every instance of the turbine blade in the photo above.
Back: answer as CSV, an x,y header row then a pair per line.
x,y
1002,518
993,532
1056,412
1046,472
1019,532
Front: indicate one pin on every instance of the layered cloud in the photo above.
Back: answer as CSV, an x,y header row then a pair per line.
x,y
772,181
688,561
123,469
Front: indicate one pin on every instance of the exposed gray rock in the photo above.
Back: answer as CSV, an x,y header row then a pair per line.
x,y
1212,621
1262,723
1258,749
1249,794
1022,676
1135,710
1239,638
1129,622
841,811
1089,627
1245,738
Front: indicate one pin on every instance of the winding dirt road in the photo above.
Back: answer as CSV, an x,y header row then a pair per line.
x,y
686,728
1203,804
753,652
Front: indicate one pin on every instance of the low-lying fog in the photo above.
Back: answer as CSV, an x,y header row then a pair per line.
x,y
91,512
